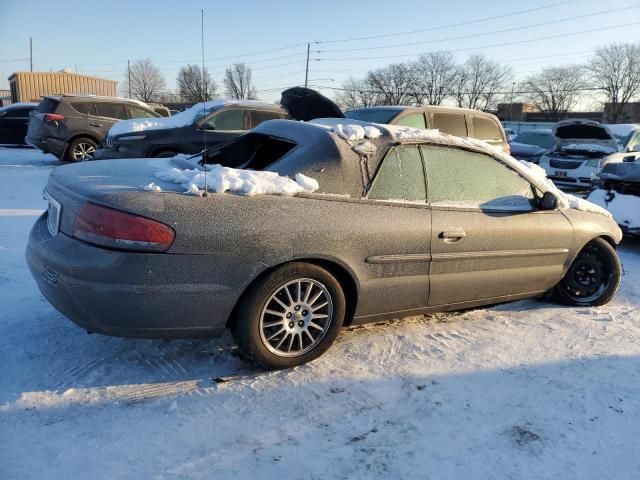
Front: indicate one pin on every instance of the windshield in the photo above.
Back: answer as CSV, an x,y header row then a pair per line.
x,y
623,139
538,139
373,115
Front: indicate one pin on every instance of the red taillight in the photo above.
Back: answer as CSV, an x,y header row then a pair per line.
x,y
51,117
111,228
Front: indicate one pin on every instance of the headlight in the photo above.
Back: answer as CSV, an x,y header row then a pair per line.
x,y
595,163
128,138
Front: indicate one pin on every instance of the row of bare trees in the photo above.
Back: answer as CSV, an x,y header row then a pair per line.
x,y
144,81
611,75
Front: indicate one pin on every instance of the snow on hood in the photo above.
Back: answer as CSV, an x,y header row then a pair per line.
x,y
584,135
221,179
625,209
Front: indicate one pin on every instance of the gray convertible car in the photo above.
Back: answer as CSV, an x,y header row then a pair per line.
x,y
402,222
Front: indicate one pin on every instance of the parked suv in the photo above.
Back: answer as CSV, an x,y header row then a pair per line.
x,y
72,126
210,123
461,122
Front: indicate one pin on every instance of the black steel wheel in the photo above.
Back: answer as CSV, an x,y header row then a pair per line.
x,y
593,278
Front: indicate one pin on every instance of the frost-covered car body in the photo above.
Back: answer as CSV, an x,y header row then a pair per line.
x,y
395,250
531,145
188,132
583,148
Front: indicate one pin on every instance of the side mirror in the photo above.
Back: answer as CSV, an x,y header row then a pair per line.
x,y
548,201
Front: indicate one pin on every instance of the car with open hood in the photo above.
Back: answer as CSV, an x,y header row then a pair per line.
x,y
583,148
296,229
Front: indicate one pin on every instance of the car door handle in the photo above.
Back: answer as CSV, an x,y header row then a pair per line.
x,y
96,124
453,234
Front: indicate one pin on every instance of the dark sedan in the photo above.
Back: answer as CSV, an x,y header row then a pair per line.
x,y
203,125
380,222
14,120
532,145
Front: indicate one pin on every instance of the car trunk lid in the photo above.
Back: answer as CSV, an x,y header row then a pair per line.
x,y
306,104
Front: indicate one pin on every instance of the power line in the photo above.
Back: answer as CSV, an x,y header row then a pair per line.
x,y
14,60
517,42
483,34
450,25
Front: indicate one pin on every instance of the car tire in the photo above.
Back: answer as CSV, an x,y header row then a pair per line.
x,y
289,317
165,154
80,150
592,279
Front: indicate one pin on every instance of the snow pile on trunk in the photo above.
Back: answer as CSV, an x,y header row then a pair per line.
x,y
624,208
152,187
409,133
221,179
365,148
355,132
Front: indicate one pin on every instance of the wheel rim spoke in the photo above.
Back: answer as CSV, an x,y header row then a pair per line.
x,y
296,317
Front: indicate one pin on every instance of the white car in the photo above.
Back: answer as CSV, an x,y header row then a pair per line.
x,y
584,147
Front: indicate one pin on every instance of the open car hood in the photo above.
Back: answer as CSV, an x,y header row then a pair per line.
x,y
584,135
306,104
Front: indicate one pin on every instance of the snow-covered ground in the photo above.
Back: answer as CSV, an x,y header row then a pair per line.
x,y
523,390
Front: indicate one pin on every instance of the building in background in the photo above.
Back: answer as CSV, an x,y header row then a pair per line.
x,y
5,98
30,86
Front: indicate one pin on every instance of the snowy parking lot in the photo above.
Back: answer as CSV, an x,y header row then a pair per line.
x,y
523,390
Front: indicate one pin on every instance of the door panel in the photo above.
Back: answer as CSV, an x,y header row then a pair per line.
x,y
502,253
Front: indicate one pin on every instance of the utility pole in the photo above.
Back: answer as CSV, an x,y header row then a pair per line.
x,y
513,86
129,73
306,73
31,53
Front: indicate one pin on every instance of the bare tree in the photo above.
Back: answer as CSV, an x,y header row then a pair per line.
x,y
615,69
237,82
555,90
357,94
479,82
436,75
395,84
147,82
193,87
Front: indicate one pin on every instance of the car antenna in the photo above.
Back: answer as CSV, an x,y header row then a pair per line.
x,y
204,107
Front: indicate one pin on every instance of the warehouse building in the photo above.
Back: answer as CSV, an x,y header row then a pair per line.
x,y
30,86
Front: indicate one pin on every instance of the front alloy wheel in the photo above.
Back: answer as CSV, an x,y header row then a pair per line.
x,y
290,316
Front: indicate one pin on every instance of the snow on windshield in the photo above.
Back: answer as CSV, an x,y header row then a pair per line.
x,y
221,179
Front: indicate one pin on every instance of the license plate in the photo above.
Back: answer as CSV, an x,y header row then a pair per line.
x,y
560,173
53,215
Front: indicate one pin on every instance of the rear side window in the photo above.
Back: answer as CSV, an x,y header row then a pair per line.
x,y
457,177
139,112
111,110
451,123
226,120
259,116
47,105
88,108
415,120
400,177
485,128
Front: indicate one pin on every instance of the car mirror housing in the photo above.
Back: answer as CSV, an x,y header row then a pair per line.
x,y
549,201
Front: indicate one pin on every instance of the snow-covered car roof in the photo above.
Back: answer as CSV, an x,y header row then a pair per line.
x,y
184,118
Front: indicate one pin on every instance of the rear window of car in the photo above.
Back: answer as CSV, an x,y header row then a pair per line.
x,y
451,123
538,139
22,112
111,110
374,115
48,105
485,128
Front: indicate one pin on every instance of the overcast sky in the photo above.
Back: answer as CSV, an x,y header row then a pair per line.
x,y
97,38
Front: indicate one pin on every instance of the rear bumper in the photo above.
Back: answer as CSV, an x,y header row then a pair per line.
x,y
130,294
48,145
